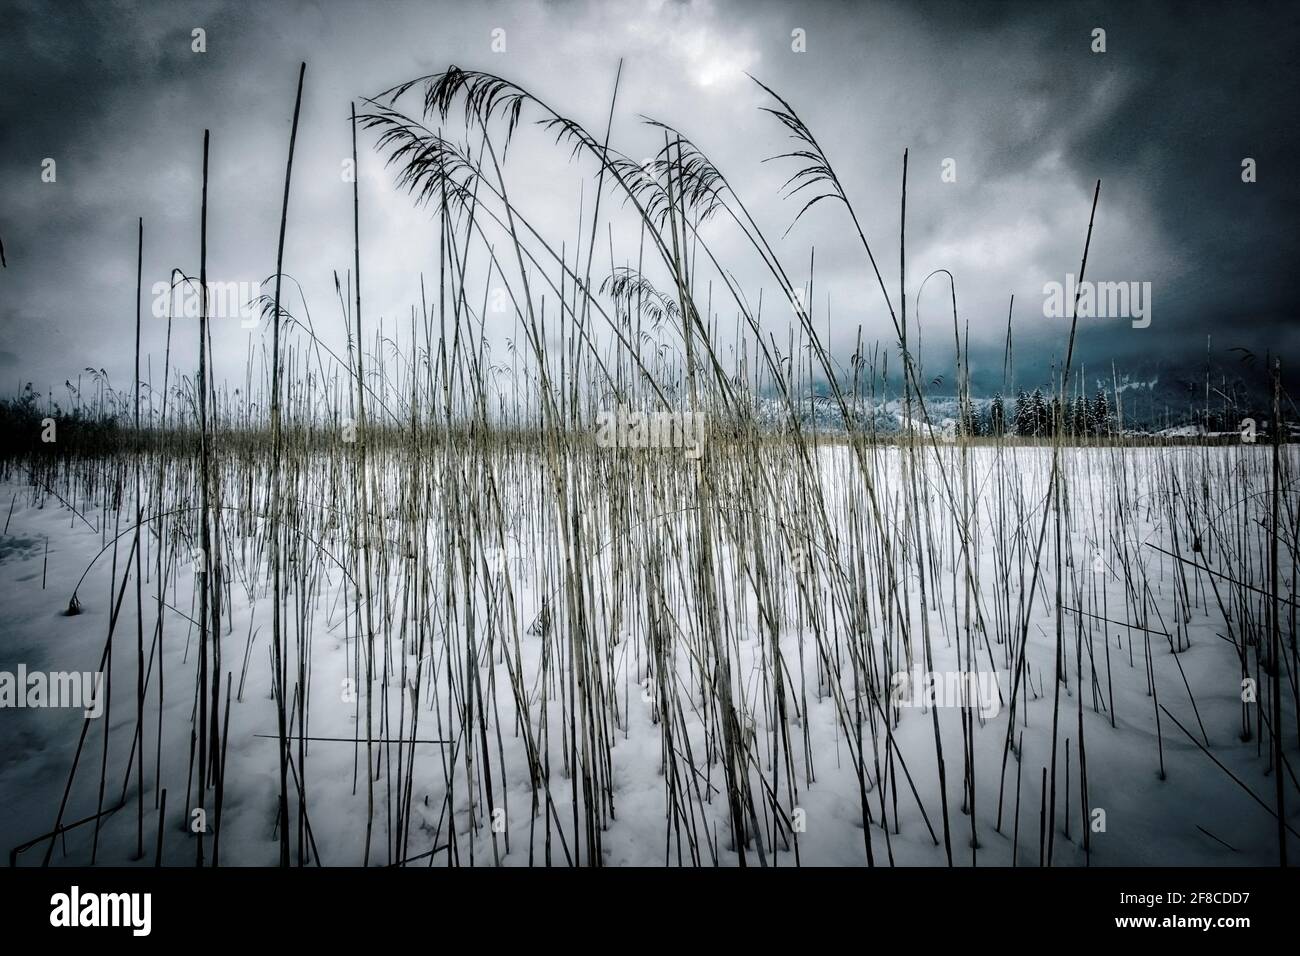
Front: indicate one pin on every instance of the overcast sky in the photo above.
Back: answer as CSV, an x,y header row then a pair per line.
x,y
1013,94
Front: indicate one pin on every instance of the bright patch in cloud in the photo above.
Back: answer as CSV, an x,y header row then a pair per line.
x,y
713,57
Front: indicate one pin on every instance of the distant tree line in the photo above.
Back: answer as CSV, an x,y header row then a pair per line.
x,y
28,425
1032,415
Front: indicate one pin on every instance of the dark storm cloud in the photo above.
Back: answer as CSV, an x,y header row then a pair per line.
x,y
1011,92
1165,117
1202,87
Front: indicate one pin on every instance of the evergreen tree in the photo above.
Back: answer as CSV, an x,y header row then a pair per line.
x,y
1038,413
997,420
1024,423
1082,418
1101,420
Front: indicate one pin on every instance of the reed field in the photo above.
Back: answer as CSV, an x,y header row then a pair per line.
x,y
652,587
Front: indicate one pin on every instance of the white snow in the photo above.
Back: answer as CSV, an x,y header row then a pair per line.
x,y
1149,819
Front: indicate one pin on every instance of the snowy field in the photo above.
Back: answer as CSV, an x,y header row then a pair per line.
x,y
631,658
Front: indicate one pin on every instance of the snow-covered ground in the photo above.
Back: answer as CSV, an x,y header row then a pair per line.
x,y
1193,813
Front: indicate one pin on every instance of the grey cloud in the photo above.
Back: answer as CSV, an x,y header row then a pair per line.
x,y
1010,91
